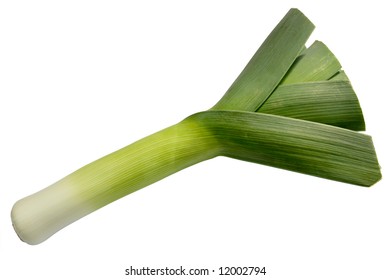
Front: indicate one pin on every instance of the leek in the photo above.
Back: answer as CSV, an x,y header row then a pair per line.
x,y
291,107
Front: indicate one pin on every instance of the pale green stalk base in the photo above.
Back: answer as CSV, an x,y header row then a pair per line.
x,y
38,216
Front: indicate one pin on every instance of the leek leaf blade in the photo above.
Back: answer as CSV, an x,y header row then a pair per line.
x,y
330,102
268,65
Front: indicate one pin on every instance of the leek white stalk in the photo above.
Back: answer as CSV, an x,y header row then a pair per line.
x,y
38,216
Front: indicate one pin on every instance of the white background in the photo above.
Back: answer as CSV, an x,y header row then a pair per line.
x,y
80,79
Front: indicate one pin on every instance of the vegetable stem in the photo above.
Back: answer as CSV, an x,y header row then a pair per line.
x,y
38,216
